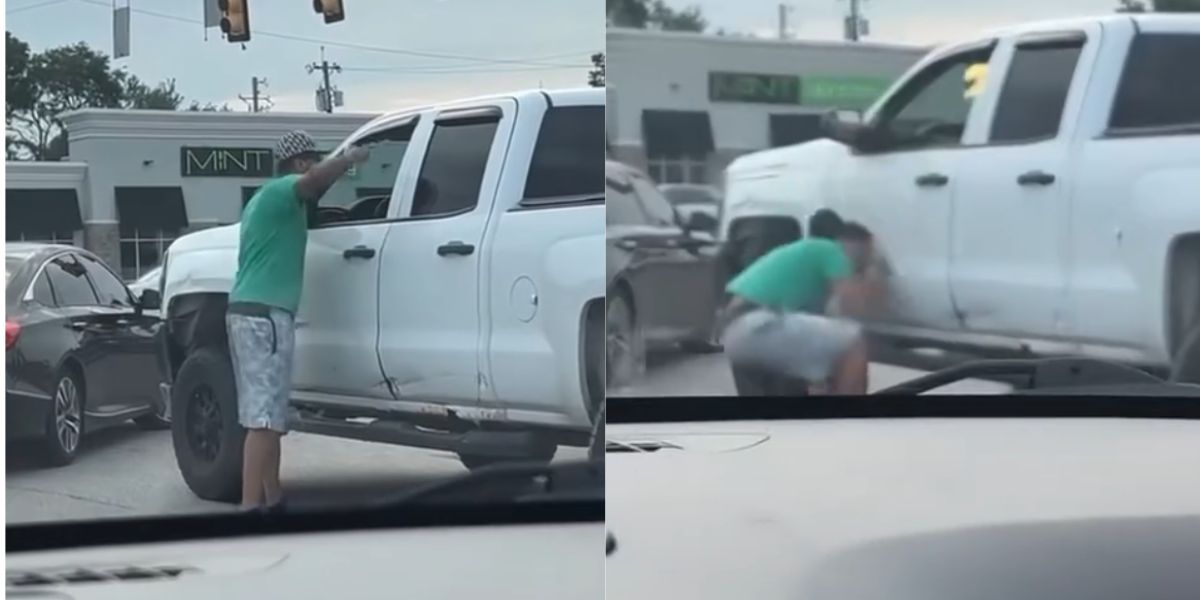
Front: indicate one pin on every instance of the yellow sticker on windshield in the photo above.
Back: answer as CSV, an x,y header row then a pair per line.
x,y
974,79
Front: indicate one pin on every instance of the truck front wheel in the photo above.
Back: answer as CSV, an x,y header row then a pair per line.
x,y
204,426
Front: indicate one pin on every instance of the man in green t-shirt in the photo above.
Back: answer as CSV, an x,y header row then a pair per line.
x,y
261,320
778,319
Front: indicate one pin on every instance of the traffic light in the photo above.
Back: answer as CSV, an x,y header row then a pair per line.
x,y
334,10
235,20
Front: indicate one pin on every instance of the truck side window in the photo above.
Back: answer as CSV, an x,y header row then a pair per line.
x,y
932,109
568,160
1035,92
452,173
1161,83
344,203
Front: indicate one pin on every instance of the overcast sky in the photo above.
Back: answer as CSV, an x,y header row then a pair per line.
x,y
554,38
924,22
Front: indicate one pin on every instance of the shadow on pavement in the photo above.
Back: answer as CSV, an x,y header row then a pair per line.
x,y
26,455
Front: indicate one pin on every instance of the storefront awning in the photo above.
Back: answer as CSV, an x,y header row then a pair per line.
x,y
150,209
37,214
677,134
794,129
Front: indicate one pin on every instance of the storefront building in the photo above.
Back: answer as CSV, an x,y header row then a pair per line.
x,y
136,180
683,105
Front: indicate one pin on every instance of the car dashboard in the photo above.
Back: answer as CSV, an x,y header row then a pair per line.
x,y
521,562
904,509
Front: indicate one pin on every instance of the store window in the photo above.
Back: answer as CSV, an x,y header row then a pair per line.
x,y
150,218
678,144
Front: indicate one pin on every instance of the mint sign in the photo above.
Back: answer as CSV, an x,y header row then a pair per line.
x,y
754,88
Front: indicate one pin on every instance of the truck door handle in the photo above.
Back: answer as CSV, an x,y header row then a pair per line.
x,y
932,180
455,248
78,325
358,252
627,244
1036,178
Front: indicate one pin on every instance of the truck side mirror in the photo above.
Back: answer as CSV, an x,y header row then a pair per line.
x,y
150,299
848,127
701,221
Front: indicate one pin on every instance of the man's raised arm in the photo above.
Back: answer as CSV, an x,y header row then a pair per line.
x,y
313,184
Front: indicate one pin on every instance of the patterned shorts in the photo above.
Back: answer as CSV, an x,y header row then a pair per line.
x,y
799,345
262,348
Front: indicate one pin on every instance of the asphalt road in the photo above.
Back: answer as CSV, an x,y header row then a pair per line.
x,y
123,472
709,375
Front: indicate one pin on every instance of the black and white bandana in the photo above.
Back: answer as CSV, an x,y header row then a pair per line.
x,y
294,143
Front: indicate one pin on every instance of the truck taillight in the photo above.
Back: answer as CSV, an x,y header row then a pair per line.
x,y
12,331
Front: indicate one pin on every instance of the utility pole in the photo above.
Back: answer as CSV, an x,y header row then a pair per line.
x,y
258,101
326,92
856,25
784,9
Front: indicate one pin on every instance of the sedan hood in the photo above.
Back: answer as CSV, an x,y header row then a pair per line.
x,y
903,509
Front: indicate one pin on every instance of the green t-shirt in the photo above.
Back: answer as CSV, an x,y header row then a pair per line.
x,y
794,277
274,233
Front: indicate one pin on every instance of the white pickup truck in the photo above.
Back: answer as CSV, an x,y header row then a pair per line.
x,y
1035,190
453,293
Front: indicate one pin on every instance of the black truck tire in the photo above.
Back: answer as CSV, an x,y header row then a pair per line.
x,y
1186,368
204,426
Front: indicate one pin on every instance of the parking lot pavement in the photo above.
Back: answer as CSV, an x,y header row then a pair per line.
x,y
123,472
709,375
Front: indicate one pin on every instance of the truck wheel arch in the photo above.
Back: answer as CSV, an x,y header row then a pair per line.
x,y
1183,288
194,321
591,348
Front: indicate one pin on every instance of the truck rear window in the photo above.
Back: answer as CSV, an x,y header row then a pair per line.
x,y
568,160
1161,84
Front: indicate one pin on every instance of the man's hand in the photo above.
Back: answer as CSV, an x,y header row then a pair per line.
x,y
313,184
357,154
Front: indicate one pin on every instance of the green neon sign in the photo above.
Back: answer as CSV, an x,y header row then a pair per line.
x,y
842,92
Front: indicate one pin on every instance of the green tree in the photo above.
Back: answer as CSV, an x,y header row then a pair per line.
x,y
44,85
596,74
654,14
209,107
161,97
60,80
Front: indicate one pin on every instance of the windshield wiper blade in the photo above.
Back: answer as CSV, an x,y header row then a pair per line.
x,y
1046,375
517,482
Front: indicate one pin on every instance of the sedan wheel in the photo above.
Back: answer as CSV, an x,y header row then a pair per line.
x,y
622,343
64,430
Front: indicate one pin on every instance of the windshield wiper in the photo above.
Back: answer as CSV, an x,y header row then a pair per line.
x,y
511,483
1060,376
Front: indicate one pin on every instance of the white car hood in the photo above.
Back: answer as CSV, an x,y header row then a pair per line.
x,y
202,262
902,508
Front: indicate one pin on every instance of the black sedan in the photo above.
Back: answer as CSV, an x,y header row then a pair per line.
x,y
663,284
79,348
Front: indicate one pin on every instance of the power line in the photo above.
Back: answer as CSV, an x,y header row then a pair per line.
x,y
285,36
452,70
33,6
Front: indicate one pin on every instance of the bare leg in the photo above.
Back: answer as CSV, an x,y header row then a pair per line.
x,y
850,377
254,463
272,491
